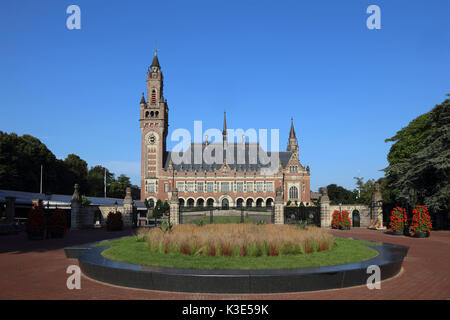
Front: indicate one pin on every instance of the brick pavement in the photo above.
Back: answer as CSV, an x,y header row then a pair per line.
x,y
37,270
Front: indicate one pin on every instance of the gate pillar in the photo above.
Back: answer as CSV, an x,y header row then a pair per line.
x,y
174,208
325,214
279,207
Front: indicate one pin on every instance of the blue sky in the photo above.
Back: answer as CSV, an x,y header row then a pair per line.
x,y
348,88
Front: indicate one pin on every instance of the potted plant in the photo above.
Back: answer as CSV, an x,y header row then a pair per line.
x,y
35,224
114,221
57,225
336,219
421,222
340,220
345,220
398,220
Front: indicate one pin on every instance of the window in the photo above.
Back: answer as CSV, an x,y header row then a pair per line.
x,y
240,187
293,193
180,186
166,187
199,186
259,186
154,96
303,188
210,186
189,186
249,186
269,186
225,187
150,187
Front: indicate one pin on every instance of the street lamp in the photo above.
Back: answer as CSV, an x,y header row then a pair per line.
x,y
115,206
340,209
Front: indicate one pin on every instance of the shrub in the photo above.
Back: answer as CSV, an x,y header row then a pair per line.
x,y
114,221
57,223
398,219
340,220
35,224
421,221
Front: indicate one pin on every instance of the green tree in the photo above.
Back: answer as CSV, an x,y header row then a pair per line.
x,y
419,162
338,194
117,188
79,170
95,180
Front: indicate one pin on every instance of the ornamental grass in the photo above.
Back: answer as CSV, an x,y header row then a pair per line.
x,y
235,240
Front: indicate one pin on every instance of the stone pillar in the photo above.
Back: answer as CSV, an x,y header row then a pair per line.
x,y
279,207
10,209
174,208
75,209
325,214
377,205
127,208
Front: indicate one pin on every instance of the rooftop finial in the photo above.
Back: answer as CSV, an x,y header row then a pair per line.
x,y
156,48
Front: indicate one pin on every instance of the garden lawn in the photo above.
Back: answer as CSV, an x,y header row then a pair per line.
x,y
136,252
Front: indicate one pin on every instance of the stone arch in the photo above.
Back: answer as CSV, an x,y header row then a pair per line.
x,y
210,202
356,218
239,202
200,202
181,202
225,203
249,202
259,202
151,201
269,202
190,202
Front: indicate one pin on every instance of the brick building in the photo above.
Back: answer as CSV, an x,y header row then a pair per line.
x,y
225,183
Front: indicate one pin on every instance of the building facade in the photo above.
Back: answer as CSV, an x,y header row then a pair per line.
x,y
239,179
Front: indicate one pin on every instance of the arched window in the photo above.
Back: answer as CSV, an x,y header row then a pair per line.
x,y
154,96
156,114
293,193
151,114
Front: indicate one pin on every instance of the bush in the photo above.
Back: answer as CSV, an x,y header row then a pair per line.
x,y
57,223
421,221
340,220
398,219
114,221
35,224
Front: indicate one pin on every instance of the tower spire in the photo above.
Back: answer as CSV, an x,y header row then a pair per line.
x,y
292,133
224,132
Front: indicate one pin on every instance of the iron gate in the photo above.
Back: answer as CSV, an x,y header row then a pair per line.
x,y
294,215
209,215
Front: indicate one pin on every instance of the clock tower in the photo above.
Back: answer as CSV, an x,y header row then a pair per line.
x,y
154,127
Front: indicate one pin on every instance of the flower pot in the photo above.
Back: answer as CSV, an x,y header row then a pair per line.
x,y
35,236
397,232
419,235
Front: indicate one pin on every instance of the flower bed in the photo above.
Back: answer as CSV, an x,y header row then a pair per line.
x,y
237,240
340,220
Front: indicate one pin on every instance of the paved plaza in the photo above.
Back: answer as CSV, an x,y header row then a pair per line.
x,y
37,270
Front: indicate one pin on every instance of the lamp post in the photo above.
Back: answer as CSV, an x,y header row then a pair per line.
x,y
340,207
115,206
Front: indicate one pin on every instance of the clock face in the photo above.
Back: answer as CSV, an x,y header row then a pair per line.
x,y
152,139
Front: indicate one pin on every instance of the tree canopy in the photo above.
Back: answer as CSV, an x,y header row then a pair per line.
x,y
21,158
419,165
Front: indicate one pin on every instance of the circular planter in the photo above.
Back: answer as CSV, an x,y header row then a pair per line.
x,y
397,232
94,265
419,235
